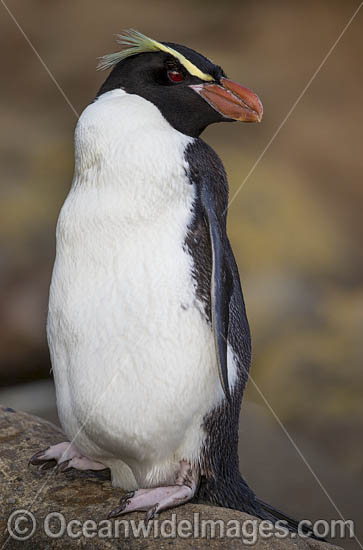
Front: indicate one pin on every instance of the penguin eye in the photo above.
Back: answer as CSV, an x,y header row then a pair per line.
x,y
175,76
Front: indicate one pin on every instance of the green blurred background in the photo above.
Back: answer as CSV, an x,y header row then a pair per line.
x,y
296,226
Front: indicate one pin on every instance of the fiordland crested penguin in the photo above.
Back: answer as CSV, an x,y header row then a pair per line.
x,y
147,328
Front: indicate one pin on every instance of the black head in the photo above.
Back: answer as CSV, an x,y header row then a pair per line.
x,y
189,102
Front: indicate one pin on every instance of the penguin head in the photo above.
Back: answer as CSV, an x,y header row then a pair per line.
x,y
189,90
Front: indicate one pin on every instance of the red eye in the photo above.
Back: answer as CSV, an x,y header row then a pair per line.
x,y
175,76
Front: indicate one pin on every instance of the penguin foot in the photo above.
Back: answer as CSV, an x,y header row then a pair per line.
x,y
156,499
64,457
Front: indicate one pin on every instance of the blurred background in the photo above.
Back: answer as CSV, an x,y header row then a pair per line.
x,y
296,226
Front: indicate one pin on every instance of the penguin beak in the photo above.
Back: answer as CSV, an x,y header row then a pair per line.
x,y
231,100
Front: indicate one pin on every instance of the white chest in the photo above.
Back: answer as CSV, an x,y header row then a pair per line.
x,y
133,357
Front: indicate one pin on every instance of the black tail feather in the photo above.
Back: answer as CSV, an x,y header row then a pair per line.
x,y
273,514
236,494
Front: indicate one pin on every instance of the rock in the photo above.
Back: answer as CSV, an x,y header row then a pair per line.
x,y
83,496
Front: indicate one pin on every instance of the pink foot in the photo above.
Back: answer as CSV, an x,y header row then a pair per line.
x,y
156,499
64,456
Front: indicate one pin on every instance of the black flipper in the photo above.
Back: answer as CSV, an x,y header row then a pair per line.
x,y
221,286
207,242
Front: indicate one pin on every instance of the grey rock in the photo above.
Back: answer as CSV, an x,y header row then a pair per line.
x,y
83,496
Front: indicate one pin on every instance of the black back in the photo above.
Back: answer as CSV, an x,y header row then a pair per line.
x,y
220,459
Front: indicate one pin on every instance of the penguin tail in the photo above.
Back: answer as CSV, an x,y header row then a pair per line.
x,y
273,514
236,494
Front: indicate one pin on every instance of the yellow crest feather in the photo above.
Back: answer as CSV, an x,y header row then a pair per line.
x,y
139,43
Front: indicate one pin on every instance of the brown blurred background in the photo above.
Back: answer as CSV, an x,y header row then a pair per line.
x,y
296,226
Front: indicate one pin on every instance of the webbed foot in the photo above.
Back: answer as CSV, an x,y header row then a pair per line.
x,y
156,499
64,456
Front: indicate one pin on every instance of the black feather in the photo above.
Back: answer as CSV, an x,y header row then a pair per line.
x,y
207,242
221,283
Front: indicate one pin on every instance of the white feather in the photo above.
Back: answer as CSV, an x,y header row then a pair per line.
x,y
133,356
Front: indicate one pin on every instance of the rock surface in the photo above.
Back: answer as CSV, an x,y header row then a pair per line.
x,y
87,496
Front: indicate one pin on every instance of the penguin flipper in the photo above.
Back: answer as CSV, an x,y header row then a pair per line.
x,y
221,287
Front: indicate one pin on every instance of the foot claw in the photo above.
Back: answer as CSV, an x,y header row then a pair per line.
x,y
117,511
63,467
127,497
48,465
35,460
150,514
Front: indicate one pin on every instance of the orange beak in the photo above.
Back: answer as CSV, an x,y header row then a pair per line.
x,y
231,100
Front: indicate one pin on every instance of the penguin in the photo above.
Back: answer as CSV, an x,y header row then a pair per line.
x,y
147,328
